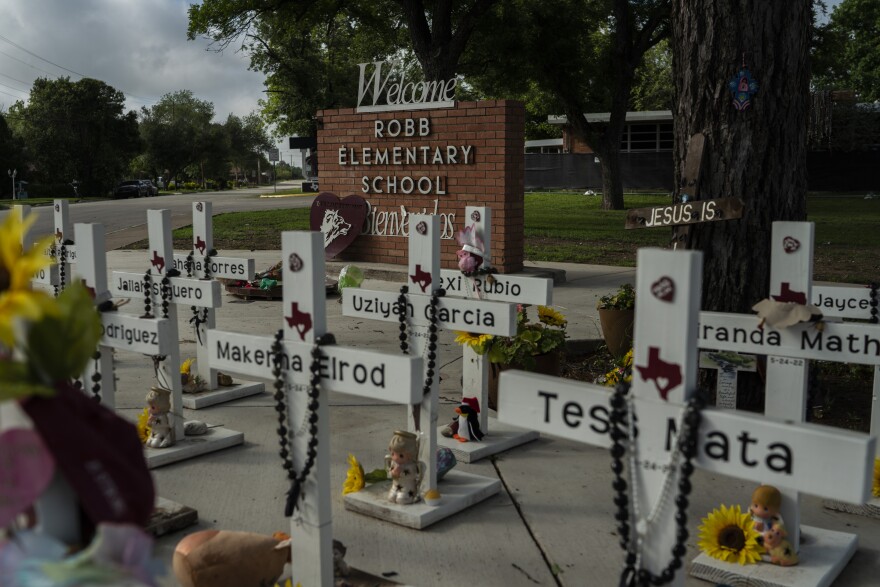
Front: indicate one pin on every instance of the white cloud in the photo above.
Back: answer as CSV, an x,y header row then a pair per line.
x,y
136,46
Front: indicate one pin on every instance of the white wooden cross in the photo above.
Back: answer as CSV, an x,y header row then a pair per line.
x,y
732,443
189,292
63,232
364,373
477,316
46,277
205,266
91,268
860,302
475,367
727,365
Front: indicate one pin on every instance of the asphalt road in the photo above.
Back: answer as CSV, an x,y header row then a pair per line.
x,y
125,221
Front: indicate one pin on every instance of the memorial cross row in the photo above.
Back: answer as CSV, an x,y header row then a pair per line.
x,y
729,442
392,378
202,263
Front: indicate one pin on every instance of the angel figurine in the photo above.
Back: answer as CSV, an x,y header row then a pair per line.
x,y
404,467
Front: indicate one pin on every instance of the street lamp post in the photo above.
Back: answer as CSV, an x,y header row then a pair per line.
x,y
12,173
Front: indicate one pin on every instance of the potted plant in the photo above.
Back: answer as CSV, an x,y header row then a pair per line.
x,y
536,346
617,317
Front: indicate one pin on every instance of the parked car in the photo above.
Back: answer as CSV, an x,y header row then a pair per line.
x,y
130,189
151,189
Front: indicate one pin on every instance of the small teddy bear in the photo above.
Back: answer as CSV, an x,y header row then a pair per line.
x,y
780,550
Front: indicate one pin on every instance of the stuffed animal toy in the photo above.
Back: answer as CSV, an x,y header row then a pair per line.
x,y
779,549
222,558
470,257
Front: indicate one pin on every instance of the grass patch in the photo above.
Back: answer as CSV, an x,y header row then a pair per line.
x,y
571,227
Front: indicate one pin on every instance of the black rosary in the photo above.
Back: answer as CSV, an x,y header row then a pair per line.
x,y
164,291
198,319
873,303
297,480
432,331
686,446
62,260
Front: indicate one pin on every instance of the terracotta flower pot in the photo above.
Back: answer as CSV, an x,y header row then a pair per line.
x,y
548,364
617,329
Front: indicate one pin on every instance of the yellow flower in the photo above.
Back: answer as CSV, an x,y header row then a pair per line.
x,y
876,490
475,341
17,268
143,427
354,479
729,535
186,367
628,359
551,317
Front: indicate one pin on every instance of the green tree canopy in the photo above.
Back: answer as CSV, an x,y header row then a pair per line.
x,y
11,155
177,132
847,52
247,139
77,130
583,55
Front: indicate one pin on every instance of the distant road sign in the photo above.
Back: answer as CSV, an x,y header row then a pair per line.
x,y
273,154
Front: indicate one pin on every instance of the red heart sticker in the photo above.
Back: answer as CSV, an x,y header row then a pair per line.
x,y
341,220
790,244
663,289
25,471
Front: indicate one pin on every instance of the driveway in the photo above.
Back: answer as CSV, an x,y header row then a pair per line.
x,y
125,221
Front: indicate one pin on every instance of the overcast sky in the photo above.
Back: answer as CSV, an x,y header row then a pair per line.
x,y
139,47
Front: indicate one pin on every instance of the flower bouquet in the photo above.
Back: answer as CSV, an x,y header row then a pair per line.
x,y
536,346
54,434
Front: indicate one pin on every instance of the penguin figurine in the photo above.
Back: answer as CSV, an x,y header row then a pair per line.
x,y
468,420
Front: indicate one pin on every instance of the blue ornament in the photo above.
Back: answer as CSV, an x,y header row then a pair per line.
x,y
743,86
445,461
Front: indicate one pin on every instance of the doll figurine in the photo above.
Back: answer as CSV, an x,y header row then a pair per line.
x,y
161,430
404,468
766,501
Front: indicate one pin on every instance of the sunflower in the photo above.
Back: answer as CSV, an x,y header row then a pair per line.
x,y
186,367
354,479
551,317
876,489
143,427
729,535
17,268
477,342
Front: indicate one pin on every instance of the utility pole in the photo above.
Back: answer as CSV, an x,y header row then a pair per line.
x,y
12,173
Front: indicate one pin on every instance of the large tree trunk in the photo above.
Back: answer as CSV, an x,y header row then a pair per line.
x,y
758,154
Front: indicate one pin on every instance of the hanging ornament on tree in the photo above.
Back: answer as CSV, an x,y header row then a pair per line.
x,y
743,86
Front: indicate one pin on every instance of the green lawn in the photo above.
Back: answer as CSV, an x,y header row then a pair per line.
x,y
572,227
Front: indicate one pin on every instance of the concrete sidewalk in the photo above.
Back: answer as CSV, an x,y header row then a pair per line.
x,y
552,523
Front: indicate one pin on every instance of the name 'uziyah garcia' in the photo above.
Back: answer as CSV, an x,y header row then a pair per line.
x,y
470,317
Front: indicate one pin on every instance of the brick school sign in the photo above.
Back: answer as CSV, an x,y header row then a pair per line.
x,y
428,161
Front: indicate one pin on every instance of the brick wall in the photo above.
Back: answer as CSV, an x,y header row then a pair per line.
x,y
493,175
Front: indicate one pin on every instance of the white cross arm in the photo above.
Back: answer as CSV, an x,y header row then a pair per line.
x,y
55,249
842,301
392,378
148,336
201,293
827,462
840,342
494,318
221,267
47,275
501,288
